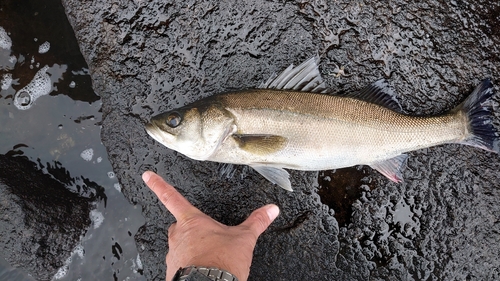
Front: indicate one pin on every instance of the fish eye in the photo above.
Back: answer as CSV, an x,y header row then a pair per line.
x,y
173,120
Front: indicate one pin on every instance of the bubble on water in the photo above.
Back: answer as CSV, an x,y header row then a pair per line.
x,y
5,41
6,81
99,159
39,86
97,218
23,98
87,154
111,174
45,47
72,84
118,187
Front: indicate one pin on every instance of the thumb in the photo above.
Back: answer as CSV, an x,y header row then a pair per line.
x,y
260,219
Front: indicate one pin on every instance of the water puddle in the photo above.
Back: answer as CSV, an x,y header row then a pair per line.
x,y
50,121
339,189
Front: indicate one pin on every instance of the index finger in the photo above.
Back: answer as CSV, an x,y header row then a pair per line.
x,y
169,196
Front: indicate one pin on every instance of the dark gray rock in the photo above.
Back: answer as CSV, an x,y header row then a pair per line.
x,y
42,220
441,223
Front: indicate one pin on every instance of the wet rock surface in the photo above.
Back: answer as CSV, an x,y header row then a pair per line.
x,y
442,223
35,236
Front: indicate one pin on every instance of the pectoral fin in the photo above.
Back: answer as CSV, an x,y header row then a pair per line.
x,y
260,144
392,168
275,175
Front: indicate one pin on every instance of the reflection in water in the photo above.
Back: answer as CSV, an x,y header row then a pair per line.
x,y
63,216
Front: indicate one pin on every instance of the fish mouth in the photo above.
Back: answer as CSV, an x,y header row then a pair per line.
x,y
157,134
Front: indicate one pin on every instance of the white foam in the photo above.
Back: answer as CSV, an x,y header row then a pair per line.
x,y
87,154
45,47
97,218
39,86
118,187
138,261
63,270
99,159
137,264
79,251
111,174
6,81
5,41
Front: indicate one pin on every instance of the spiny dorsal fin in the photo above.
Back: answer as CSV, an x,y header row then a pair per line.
x,y
379,92
260,144
305,78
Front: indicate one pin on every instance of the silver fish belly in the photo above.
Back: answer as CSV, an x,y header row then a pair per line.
x,y
289,122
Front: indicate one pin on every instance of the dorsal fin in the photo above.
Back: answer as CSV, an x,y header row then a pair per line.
x,y
305,78
379,92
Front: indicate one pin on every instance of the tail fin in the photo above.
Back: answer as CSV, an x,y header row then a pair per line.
x,y
479,112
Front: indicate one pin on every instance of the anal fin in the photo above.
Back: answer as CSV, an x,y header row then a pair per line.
x,y
392,168
275,175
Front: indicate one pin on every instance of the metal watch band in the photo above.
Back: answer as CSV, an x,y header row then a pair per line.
x,y
213,273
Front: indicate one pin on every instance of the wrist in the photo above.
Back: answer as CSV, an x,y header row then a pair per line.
x,y
220,259
201,273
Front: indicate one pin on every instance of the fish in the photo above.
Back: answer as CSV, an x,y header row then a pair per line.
x,y
292,121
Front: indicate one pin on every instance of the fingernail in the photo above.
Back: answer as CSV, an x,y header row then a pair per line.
x,y
273,211
146,176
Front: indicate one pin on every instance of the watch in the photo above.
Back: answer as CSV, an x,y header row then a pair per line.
x,y
207,273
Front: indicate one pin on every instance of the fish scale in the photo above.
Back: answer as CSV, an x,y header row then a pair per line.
x,y
369,135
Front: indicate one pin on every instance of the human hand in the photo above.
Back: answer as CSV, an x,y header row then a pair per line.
x,y
197,239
